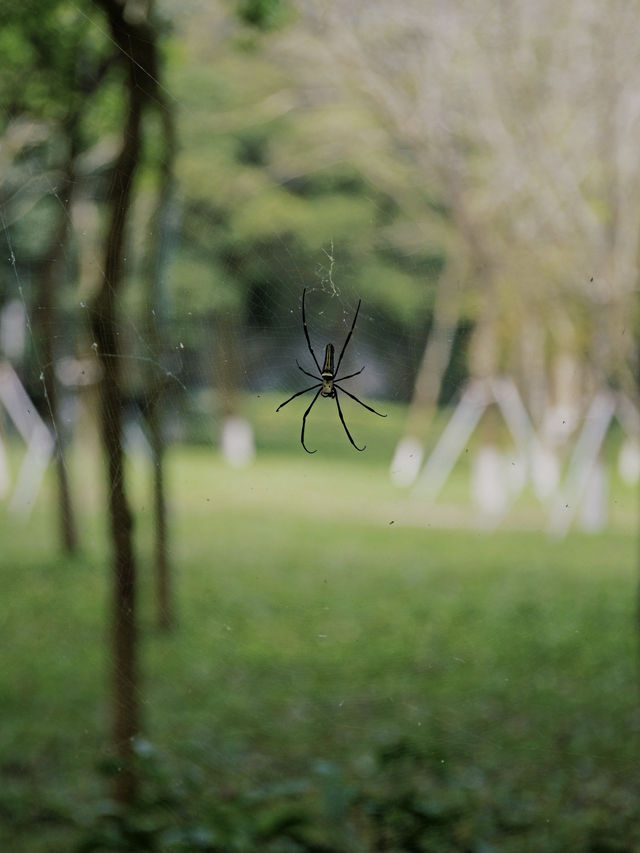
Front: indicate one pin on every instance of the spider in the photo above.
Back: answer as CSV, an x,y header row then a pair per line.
x,y
328,385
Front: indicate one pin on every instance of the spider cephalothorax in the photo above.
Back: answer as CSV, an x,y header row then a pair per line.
x,y
328,376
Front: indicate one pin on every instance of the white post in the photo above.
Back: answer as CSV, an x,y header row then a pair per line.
x,y
456,433
582,462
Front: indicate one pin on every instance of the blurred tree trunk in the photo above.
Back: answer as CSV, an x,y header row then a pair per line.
x,y
236,434
46,300
156,383
446,314
135,41
125,678
225,362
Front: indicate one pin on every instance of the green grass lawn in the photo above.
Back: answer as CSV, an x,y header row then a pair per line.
x,y
338,660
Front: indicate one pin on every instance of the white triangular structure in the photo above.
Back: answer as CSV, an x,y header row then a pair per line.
x,y
5,479
582,474
629,457
489,484
487,481
629,461
593,512
34,433
457,432
497,480
406,462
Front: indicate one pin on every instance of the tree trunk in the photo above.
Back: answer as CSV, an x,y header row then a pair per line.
x,y
446,314
125,677
135,42
156,379
49,281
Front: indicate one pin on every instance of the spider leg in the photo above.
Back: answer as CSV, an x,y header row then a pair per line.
x,y
304,418
304,391
344,424
348,336
351,375
305,371
306,333
353,397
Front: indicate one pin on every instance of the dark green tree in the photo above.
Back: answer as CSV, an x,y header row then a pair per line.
x,y
155,314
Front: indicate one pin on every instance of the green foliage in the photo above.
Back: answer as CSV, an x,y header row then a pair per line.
x,y
166,818
59,98
263,14
395,294
49,54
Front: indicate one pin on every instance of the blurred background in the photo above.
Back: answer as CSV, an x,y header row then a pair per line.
x,y
214,640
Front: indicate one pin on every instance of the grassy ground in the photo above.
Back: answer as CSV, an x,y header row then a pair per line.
x,y
336,659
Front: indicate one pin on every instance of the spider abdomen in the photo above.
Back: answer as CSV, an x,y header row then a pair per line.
x,y
328,373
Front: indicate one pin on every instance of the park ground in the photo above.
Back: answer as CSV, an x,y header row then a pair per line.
x,y
347,672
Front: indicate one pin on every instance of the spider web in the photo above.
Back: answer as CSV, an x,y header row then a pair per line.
x,y
258,361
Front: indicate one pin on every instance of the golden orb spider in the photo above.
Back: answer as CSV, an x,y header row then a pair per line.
x,y
328,375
